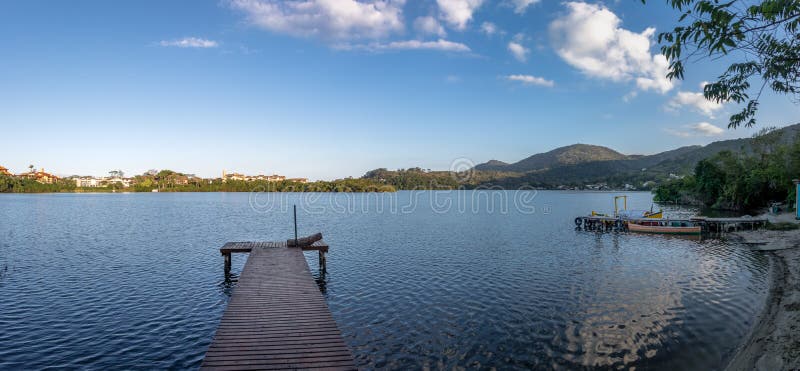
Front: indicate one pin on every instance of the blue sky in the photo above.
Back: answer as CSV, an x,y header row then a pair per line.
x,y
332,88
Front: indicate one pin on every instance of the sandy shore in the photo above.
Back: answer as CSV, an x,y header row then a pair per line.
x,y
774,343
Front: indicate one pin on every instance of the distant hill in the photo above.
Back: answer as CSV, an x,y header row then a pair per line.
x,y
569,155
585,164
578,165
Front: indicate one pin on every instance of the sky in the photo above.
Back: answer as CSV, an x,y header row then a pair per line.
x,y
326,89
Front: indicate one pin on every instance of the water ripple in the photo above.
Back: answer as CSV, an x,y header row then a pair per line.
x,y
135,281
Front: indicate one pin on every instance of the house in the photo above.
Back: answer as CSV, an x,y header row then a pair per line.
x,y
298,180
125,182
40,176
180,179
92,182
232,176
4,171
250,178
87,182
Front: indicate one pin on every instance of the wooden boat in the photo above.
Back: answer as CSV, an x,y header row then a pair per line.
x,y
665,228
630,214
654,215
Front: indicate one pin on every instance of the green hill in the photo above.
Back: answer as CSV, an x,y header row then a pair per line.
x,y
569,155
582,164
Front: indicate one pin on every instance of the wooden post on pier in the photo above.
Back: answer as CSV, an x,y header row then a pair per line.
x,y
323,263
796,198
227,256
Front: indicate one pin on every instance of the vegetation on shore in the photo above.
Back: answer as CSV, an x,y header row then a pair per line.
x,y
420,179
10,184
166,181
740,180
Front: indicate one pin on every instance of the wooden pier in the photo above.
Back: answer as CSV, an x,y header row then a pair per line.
x,y
708,225
277,318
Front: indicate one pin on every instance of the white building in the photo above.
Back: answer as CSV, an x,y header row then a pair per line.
x,y
92,182
87,182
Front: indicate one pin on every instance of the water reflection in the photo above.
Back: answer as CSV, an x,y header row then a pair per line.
x,y
228,283
619,328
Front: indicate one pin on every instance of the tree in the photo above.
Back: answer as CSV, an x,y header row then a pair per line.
x,y
764,35
30,167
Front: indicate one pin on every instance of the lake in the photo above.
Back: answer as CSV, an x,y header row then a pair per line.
x,y
471,279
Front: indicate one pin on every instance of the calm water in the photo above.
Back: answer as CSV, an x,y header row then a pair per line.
x,y
436,280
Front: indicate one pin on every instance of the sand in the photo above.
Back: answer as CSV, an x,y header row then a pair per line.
x,y
774,342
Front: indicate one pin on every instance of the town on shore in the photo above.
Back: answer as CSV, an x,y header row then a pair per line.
x,y
40,181
117,178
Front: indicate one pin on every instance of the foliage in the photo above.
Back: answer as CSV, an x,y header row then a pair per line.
x,y
680,191
414,178
171,181
11,184
764,36
740,180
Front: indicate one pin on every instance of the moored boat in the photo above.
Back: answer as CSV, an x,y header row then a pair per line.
x,y
665,227
624,213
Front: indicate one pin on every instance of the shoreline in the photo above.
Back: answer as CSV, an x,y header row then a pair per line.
x,y
773,343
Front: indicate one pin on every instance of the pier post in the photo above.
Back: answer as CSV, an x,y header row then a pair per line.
x,y
227,264
796,200
323,264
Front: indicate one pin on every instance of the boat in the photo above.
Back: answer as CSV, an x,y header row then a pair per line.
x,y
654,214
665,227
624,213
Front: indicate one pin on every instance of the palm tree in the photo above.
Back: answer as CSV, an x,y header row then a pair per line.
x,y
30,167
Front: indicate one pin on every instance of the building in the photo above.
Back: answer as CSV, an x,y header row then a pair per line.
x,y
40,176
4,171
124,182
232,176
87,182
92,182
298,180
249,178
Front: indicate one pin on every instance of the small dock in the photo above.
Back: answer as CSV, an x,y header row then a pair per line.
x,y
708,225
276,318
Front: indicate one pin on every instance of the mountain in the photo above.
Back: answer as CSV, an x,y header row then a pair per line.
x,y
586,164
569,155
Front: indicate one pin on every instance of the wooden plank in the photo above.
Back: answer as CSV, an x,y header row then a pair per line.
x,y
277,318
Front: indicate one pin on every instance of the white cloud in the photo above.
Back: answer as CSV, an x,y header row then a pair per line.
x,y
440,45
190,42
429,26
518,51
489,28
696,101
589,38
530,80
329,19
457,13
699,129
707,129
521,5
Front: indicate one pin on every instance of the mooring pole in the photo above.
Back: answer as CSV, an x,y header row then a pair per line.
x,y
295,225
